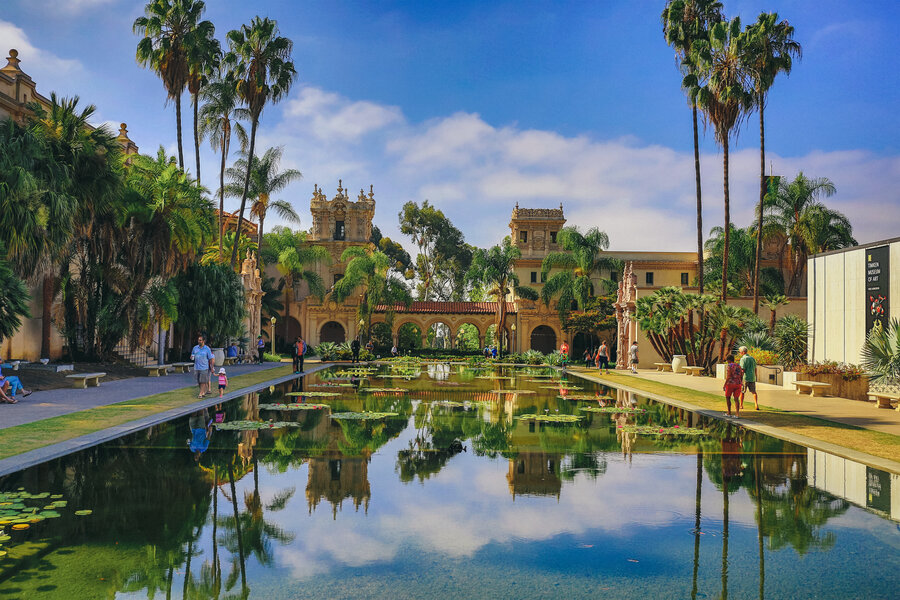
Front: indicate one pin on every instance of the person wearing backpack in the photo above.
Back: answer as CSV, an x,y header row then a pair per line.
x,y
298,349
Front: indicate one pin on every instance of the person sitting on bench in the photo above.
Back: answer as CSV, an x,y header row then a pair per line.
x,y
12,384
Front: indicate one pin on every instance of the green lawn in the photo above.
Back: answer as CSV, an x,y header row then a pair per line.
x,y
22,438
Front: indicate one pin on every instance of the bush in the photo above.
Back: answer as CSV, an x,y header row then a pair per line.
x,y
791,339
881,353
847,372
326,351
268,356
533,357
760,340
763,357
555,358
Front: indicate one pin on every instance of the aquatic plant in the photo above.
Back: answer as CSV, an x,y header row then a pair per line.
x,y
295,406
555,418
363,416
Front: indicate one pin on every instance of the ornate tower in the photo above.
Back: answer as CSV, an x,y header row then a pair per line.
x,y
534,230
341,219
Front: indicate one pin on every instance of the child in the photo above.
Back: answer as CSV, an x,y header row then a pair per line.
x,y
734,379
223,381
633,356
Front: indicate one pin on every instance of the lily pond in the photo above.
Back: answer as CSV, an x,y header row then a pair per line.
x,y
441,481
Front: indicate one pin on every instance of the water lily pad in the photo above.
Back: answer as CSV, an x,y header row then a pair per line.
x,y
254,425
613,409
49,514
294,406
4,538
494,377
56,496
657,430
2,553
363,416
585,397
555,418
313,394
20,526
374,390
512,392
83,513
562,387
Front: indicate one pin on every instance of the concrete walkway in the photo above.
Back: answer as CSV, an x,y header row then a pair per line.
x,y
840,410
53,403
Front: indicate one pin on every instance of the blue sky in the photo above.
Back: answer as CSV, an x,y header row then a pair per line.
x,y
477,105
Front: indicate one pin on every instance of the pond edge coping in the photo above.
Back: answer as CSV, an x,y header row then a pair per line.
x,y
37,456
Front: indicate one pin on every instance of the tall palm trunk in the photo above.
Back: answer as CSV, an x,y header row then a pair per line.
x,y
240,222
724,299
237,527
759,533
697,503
187,568
222,194
215,525
725,540
501,321
46,309
259,234
178,129
699,200
196,137
762,197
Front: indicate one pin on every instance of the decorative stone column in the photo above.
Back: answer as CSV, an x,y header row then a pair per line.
x,y
626,328
253,294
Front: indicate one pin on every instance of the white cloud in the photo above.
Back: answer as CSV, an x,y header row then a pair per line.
x,y
641,194
40,65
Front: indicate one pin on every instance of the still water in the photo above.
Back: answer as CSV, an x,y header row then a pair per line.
x,y
455,496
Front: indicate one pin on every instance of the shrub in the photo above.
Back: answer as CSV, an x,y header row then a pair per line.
x,y
268,356
881,353
756,339
847,372
555,358
763,357
791,339
326,351
532,357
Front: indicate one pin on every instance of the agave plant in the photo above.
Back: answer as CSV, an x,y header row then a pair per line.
x,y
791,340
533,357
756,339
881,353
327,351
554,359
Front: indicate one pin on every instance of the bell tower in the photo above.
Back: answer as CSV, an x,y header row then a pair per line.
x,y
341,219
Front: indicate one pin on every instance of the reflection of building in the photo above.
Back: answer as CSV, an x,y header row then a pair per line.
x,y
864,486
336,478
534,474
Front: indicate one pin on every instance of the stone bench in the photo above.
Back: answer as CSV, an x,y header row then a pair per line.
x,y
815,388
85,380
157,370
230,360
693,371
182,367
883,399
664,367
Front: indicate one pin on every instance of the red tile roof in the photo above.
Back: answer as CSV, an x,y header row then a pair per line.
x,y
445,308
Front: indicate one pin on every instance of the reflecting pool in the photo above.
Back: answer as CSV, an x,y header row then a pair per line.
x,y
426,481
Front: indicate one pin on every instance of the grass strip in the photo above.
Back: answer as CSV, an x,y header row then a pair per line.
x,y
876,443
31,436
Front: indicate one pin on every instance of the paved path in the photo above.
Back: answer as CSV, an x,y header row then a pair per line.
x,y
840,410
53,403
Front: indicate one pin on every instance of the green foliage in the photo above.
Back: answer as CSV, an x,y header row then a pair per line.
x,y
14,299
402,262
847,371
444,257
763,357
599,314
881,353
532,357
494,270
555,358
211,301
326,351
295,259
791,340
756,340
741,263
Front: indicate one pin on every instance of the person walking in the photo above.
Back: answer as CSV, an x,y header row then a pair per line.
x,y
298,349
748,365
354,348
603,357
734,378
260,349
588,358
204,362
223,381
633,356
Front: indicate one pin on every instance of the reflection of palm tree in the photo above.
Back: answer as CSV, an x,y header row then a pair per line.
x,y
697,524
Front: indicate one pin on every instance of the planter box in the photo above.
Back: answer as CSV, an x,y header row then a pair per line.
x,y
854,390
771,374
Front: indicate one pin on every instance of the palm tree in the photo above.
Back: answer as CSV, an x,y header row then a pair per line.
x,y
217,120
881,353
684,23
718,89
494,268
294,257
203,56
368,271
580,259
772,302
730,321
808,225
264,74
769,50
741,261
211,255
167,27
265,180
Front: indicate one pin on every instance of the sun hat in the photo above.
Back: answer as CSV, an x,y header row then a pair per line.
x,y
222,371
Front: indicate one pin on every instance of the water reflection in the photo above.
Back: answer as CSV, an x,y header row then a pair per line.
x,y
455,476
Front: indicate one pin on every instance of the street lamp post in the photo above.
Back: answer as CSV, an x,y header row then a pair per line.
x,y
272,322
512,349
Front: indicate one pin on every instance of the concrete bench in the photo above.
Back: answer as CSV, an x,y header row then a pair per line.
x,y
182,367
883,399
815,388
230,360
157,370
84,380
664,367
693,371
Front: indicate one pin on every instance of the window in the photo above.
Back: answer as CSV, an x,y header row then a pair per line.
x,y
543,277
338,277
534,277
339,230
523,237
649,277
552,237
614,276
684,279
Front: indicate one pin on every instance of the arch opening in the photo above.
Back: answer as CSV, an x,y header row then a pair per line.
x,y
332,331
543,339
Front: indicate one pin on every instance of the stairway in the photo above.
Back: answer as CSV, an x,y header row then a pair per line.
x,y
139,357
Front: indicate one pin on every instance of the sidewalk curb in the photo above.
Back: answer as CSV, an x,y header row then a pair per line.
x,y
31,458
873,461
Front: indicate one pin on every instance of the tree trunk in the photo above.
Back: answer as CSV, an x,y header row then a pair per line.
x,y
759,532
178,129
240,222
222,197
215,525
237,527
196,138
259,235
724,299
46,311
762,197
697,503
161,343
772,323
187,568
699,200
